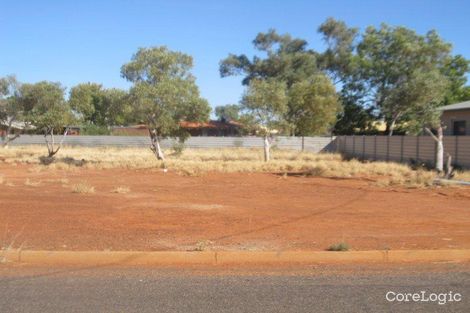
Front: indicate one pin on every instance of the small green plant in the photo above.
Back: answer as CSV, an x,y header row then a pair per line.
x,y
178,148
342,246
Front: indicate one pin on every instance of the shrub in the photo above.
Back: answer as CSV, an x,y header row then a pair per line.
x,y
83,188
121,189
342,246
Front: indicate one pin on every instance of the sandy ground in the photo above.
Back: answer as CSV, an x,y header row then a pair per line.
x,y
165,211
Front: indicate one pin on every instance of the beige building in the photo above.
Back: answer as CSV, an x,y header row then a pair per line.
x,y
456,118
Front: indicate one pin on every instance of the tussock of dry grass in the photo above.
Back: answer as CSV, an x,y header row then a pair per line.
x,y
121,189
198,161
83,188
32,183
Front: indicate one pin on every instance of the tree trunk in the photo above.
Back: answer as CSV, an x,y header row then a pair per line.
x,y
155,145
440,151
8,136
267,146
391,126
439,139
52,150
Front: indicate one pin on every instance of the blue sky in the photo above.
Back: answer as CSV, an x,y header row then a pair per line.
x,y
81,41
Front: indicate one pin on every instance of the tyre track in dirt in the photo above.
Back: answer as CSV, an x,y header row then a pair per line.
x,y
287,221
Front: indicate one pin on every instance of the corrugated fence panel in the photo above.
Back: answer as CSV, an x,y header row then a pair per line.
x,y
369,149
394,148
409,148
463,157
404,148
315,144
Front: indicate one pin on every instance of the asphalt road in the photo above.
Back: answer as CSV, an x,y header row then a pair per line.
x,y
147,290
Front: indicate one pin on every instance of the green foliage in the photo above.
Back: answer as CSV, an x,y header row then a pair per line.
x,y
342,246
354,118
313,106
45,106
164,91
178,148
229,112
266,101
11,109
395,63
392,73
455,70
338,60
289,61
94,130
99,106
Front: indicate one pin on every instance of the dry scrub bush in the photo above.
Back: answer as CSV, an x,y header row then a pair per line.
x,y
198,161
121,189
32,183
83,188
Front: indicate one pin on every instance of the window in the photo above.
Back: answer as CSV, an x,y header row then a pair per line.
x,y
460,128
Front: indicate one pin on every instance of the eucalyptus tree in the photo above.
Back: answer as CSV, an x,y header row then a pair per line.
x,y
164,93
228,112
99,106
266,102
287,60
314,106
47,110
11,110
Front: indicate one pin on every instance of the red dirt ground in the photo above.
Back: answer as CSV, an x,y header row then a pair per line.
x,y
165,211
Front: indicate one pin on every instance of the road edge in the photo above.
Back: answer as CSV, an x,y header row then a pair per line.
x,y
216,258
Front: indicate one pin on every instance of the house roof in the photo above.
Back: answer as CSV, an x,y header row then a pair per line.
x,y
191,125
17,125
456,106
209,124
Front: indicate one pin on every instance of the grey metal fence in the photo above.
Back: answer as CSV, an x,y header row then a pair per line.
x,y
314,144
404,148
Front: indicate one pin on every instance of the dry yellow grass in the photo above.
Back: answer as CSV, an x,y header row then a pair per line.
x,y
121,189
83,188
198,161
32,183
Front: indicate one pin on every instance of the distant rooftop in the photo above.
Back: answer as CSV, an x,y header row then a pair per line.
x,y
456,106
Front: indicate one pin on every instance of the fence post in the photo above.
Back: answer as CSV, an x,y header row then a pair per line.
x,y
363,147
401,148
303,143
354,145
417,148
375,147
388,148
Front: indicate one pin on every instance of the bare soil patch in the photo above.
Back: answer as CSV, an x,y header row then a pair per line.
x,y
225,211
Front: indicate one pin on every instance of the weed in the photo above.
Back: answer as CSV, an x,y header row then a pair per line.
x,y
342,246
203,245
121,189
32,183
83,188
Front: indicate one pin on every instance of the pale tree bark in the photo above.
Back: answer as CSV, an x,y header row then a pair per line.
x,y
50,141
267,147
392,125
449,168
439,147
9,137
155,144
